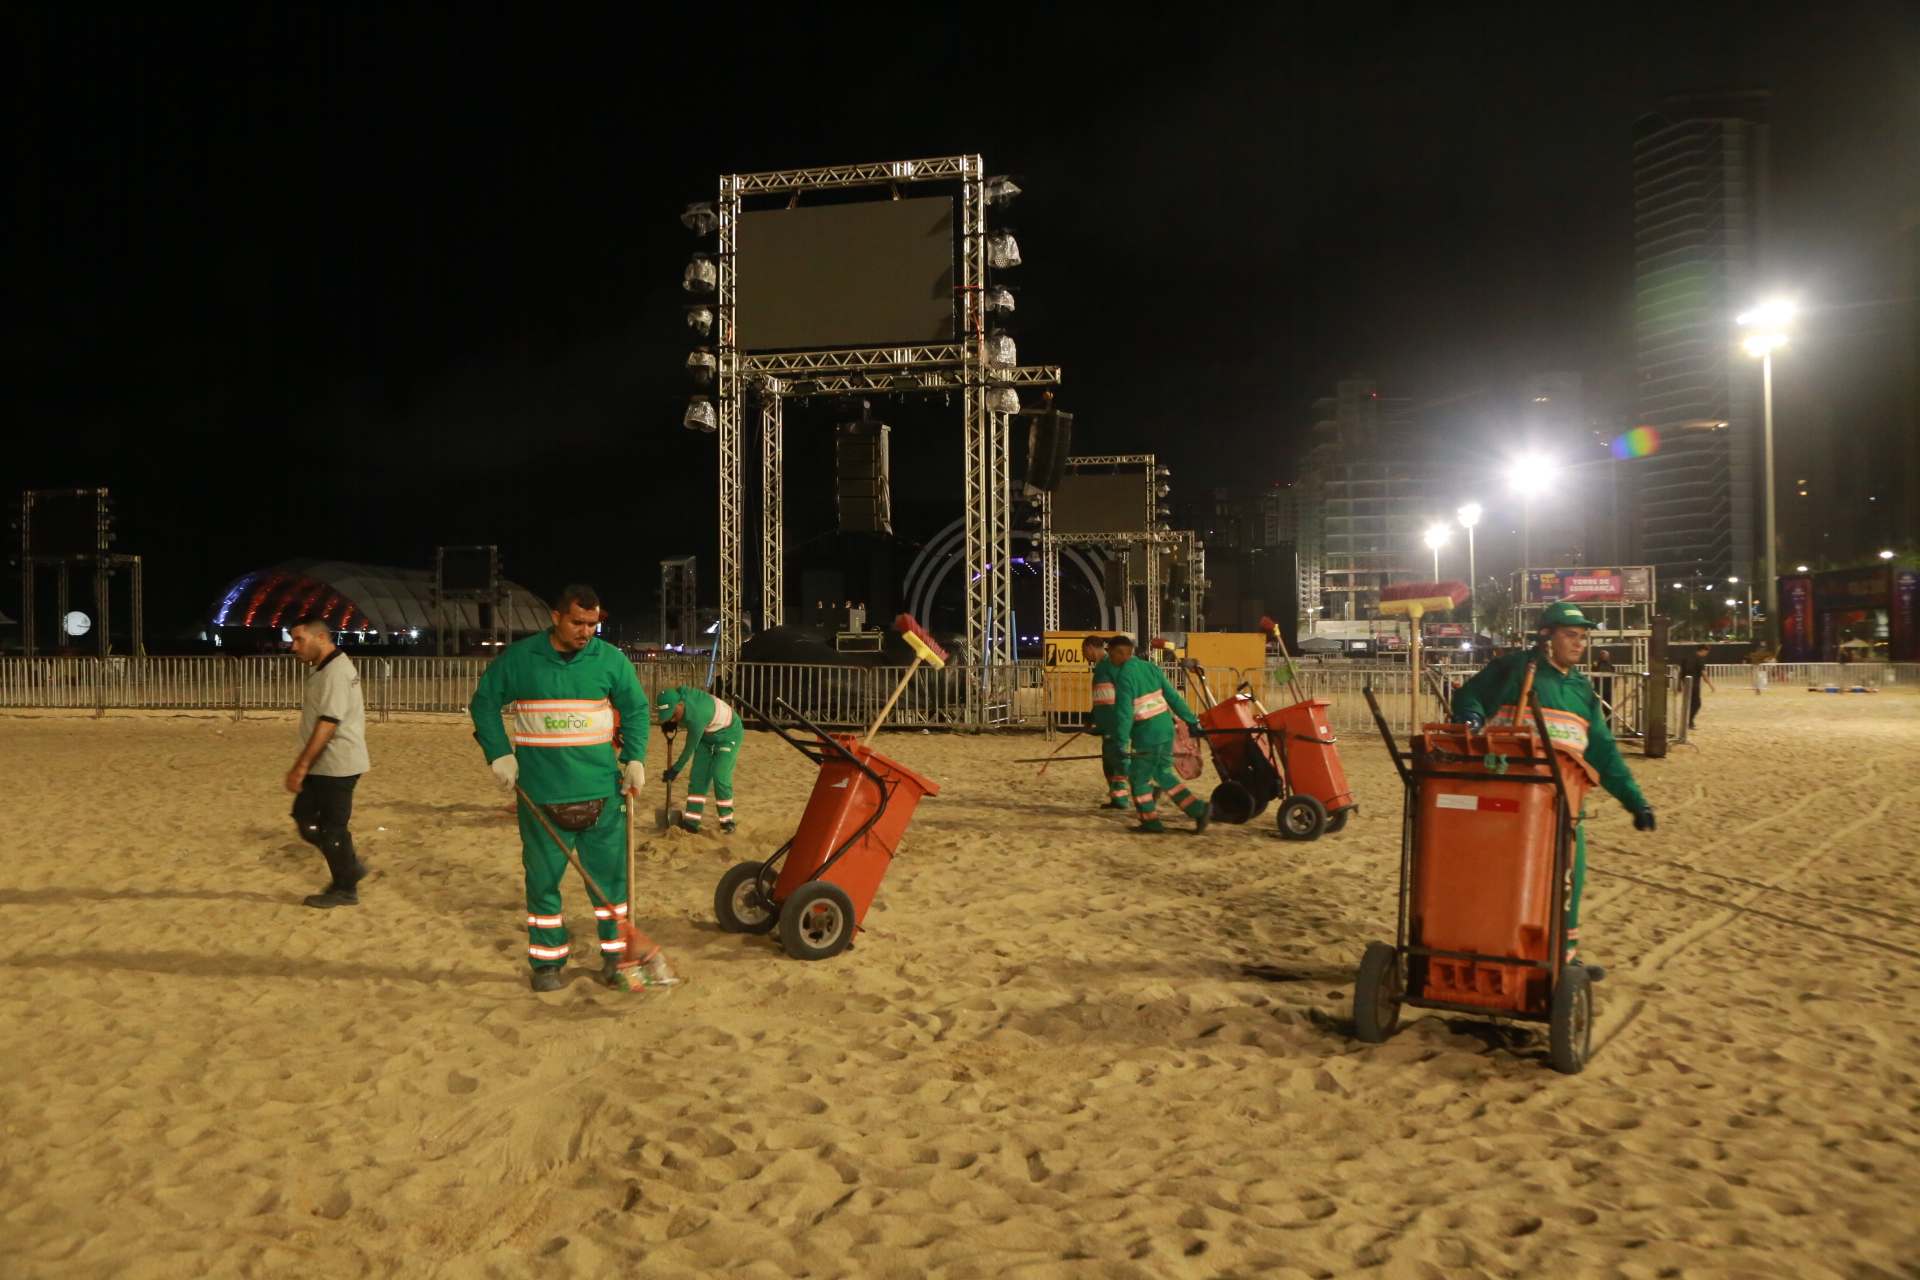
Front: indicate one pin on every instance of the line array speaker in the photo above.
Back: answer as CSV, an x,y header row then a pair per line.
x,y
1049,441
860,477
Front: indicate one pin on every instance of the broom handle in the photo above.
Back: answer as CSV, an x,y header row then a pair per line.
x,y
1414,614
633,807
897,691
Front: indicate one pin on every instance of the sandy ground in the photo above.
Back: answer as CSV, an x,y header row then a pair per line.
x,y
1059,1051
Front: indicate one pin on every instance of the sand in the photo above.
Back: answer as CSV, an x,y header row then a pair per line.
x,y
1060,1050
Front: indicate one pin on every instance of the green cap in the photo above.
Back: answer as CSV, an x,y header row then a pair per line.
x,y
669,702
1563,613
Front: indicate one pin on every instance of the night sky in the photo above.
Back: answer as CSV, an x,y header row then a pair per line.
x,y
358,280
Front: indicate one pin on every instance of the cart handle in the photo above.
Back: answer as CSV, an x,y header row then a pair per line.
x,y
1386,734
1561,852
828,743
810,750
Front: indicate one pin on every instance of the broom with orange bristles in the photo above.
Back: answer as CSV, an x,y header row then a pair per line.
x,y
925,649
1416,600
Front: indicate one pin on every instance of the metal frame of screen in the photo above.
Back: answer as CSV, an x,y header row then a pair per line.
x,y
962,366
1051,543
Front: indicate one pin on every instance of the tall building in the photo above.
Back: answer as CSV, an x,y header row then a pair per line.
x,y
1371,489
1700,196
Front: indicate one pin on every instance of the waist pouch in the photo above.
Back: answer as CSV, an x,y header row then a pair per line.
x,y
577,816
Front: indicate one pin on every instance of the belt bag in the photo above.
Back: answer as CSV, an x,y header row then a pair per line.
x,y
577,816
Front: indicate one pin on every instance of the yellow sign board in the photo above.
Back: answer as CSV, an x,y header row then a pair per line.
x,y
1069,678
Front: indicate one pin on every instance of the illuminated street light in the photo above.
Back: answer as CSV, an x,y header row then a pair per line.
x,y
1769,319
1799,568
1886,555
1768,315
1528,473
1436,539
1761,345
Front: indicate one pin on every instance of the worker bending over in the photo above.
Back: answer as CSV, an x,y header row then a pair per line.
x,y
1105,724
1576,723
714,733
1141,691
569,691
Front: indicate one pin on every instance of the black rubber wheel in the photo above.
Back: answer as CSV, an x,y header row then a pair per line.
x,y
1376,994
1570,1022
1231,802
737,903
816,923
1337,821
1302,818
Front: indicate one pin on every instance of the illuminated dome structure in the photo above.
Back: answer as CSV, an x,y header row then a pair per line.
x,y
365,603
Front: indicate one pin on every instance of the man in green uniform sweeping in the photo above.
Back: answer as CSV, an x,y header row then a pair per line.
x,y
1104,722
569,693
1575,721
714,734
1145,701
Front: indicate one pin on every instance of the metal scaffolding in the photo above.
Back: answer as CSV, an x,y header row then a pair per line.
x,y
962,366
1150,541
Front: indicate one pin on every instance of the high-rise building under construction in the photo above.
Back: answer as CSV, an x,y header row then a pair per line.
x,y
1700,196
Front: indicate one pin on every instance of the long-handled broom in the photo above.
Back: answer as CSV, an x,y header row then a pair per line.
x,y
925,649
1416,600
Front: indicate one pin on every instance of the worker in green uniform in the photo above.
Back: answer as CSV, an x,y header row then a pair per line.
x,y
1145,701
570,693
1103,723
714,733
1575,721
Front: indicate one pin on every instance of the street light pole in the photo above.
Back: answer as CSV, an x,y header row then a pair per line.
x,y
1469,516
1773,571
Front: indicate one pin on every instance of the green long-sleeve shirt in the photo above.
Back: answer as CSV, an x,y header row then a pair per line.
x,y
1573,713
566,710
1105,720
1141,691
704,714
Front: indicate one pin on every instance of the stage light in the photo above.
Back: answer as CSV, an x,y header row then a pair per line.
x,y
1886,555
1470,515
1768,315
1163,472
701,364
998,298
700,218
700,415
1162,490
1764,344
1003,250
700,276
700,320
1799,568
1003,400
1001,190
1001,349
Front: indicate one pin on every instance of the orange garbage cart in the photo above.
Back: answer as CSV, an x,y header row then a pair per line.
x,y
1319,799
816,888
1250,777
1485,863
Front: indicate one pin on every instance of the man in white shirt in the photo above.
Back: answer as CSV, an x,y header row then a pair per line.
x,y
333,724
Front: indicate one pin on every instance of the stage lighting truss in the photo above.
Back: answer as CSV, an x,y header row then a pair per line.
x,y
964,367
701,364
700,218
700,319
1191,550
701,276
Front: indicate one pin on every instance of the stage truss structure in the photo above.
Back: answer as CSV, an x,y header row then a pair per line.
x,y
766,381
103,565
1191,550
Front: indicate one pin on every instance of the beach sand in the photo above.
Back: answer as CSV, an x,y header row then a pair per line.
x,y
1059,1050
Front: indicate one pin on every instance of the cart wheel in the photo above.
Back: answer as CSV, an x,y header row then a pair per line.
x,y
1337,821
1376,994
738,904
816,923
1302,818
1570,1023
1231,802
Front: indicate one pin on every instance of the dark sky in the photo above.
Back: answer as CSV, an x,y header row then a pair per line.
x,y
352,281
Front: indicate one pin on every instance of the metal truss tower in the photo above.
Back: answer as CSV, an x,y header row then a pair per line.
x,y
961,366
1151,541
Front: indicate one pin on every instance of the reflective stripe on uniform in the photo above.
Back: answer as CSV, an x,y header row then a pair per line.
x,y
618,944
1564,728
563,722
722,716
608,913
544,922
547,953
1103,694
1149,705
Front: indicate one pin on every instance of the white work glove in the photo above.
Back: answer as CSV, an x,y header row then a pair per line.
x,y
636,775
507,770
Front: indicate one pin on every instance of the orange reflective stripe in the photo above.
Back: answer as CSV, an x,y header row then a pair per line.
x,y
1103,694
563,722
1149,705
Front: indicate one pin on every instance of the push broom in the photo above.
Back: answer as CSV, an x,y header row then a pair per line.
x,y
1416,600
925,649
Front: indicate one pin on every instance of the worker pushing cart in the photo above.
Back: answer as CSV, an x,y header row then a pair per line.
x,y
714,734
1104,723
1575,720
1144,699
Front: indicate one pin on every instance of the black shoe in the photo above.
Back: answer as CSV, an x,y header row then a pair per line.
x,y
727,827
332,898
1200,821
547,978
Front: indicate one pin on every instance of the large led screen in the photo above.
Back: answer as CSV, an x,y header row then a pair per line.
x,y
1101,503
846,275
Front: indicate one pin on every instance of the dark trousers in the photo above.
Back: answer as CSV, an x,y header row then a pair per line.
x,y
321,811
1693,699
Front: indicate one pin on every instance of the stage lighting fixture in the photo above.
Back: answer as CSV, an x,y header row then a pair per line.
x,y
1003,250
701,364
998,298
700,218
1162,490
1163,511
700,320
1001,349
700,276
1001,190
1003,400
700,415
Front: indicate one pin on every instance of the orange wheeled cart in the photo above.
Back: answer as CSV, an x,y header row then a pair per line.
x,y
1319,799
1486,858
816,888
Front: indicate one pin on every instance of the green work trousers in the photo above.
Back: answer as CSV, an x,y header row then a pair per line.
x,y
712,773
1150,767
603,851
1113,760
1576,884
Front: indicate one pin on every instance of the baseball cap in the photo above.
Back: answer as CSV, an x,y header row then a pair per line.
x,y
1563,613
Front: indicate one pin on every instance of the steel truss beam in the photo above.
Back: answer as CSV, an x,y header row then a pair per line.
x,y
956,379
773,527
856,175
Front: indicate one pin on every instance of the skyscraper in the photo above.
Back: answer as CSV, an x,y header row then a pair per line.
x,y
1700,195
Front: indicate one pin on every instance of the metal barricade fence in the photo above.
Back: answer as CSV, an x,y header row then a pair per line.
x,y
1846,675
